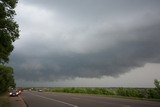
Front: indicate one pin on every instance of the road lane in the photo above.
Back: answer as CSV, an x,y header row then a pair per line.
x,y
41,99
35,100
55,100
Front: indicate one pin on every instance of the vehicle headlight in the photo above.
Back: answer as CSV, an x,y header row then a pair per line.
x,y
10,93
17,93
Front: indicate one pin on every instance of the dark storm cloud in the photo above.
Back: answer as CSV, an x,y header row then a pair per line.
x,y
131,40
120,58
95,10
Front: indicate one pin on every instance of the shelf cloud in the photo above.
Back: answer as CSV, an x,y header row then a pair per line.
x,y
89,39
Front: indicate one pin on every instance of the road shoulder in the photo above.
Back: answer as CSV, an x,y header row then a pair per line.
x,y
17,102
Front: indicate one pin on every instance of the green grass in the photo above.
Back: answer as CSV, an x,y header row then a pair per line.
x,y
134,93
4,100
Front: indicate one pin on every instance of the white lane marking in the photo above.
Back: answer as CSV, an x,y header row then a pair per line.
x,y
55,100
24,105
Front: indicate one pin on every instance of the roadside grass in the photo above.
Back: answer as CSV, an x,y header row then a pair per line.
x,y
149,94
4,100
110,96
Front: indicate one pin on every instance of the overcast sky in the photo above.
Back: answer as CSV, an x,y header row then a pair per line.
x,y
87,43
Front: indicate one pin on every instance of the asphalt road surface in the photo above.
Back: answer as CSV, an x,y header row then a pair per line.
x,y
42,99
16,102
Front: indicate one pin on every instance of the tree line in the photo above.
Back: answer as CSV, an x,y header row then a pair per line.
x,y
148,93
9,32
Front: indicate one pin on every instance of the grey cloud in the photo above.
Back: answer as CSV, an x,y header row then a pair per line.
x,y
137,45
88,11
64,39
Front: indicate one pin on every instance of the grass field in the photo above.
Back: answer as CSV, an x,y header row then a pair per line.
x,y
142,93
4,100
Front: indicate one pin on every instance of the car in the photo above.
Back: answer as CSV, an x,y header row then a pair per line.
x,y
19,92
40,90
14,93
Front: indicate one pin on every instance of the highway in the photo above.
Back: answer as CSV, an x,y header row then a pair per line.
x,y
43,99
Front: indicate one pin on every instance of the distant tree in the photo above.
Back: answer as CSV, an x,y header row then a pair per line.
x,y
157,84
9,31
